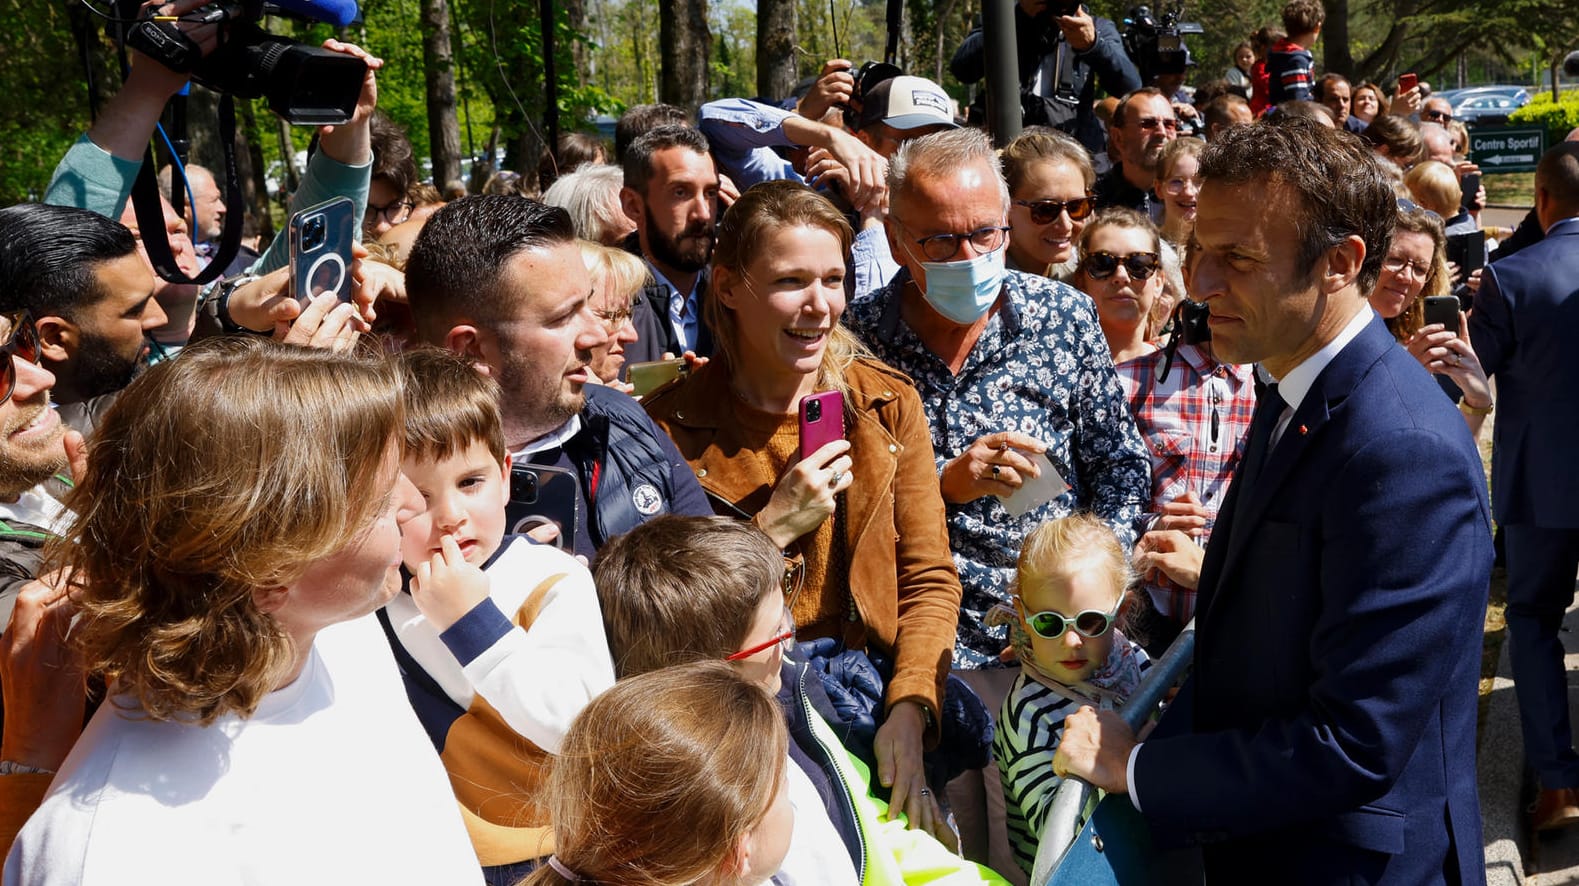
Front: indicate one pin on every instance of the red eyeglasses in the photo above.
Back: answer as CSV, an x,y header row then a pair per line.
x,y
784,640
21,340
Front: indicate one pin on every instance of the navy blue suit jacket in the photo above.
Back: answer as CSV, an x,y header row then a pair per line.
x,y
1327,733
1524,328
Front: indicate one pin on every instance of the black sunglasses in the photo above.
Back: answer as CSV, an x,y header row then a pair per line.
x,y
1102,265
1045,212
21,341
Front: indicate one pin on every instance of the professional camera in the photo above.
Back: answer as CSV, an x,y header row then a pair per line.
x,y
1156,45
307,85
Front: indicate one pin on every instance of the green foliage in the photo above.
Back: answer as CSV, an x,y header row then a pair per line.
x,y
1559,118
46,104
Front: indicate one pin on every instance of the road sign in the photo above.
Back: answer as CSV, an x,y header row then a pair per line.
x,y
1507,149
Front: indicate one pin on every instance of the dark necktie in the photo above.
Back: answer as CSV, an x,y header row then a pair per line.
x,y
1269,408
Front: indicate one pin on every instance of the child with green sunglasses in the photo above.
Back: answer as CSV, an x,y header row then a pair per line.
x,y
1073,590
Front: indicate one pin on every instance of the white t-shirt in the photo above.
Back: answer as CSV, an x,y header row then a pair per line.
x,y
331,781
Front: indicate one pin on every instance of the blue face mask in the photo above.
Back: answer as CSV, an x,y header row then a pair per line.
x,y
964,291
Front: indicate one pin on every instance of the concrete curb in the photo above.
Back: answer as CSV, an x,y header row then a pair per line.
x,y
1500,774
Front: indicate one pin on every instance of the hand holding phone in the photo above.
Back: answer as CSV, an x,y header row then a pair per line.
x,y
543,495
821,421
1442,309
321,239
647,377
1407,82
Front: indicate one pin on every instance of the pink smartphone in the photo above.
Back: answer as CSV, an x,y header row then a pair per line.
x,y
821,421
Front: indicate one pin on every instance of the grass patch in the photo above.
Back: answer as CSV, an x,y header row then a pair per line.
x,y
1510,188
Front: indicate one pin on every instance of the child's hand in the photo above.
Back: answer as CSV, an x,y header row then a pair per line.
x,y
447,587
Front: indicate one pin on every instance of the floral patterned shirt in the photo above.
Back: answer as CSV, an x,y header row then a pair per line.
x,y
1041,367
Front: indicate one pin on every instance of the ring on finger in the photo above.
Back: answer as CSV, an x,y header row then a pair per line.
x,y
925,792
995,472
833,479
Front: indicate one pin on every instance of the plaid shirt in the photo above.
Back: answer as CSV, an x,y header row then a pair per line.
x,y
1041,367
1195,424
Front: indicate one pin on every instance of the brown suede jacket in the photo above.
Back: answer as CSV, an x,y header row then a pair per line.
x,y
902,575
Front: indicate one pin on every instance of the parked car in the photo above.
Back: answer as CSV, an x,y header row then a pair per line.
x,y
1488,105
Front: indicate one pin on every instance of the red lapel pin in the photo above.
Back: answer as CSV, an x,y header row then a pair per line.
x,y
1303,430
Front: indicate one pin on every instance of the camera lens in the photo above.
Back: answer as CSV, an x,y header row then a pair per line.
x,y
814,410
314,233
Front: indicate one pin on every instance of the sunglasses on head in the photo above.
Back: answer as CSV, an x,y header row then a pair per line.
x,y
1090,624
1045,212
1102,265
21,340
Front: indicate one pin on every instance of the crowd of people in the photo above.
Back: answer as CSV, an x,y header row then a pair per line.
x,y
793,493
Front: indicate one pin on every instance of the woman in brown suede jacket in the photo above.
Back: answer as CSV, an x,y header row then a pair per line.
x,y
863,516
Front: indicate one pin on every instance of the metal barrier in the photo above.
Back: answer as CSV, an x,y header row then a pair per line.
x,y
1073,795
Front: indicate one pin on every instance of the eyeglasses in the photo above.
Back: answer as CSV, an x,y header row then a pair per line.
x,y
613,320
1168,123
943,247
1175,186
784,640
1045,212
21,340
1102,265
1051,625
1397,264
393,213
1440,116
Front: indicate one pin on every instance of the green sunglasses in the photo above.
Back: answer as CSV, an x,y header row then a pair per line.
x,y
1051,625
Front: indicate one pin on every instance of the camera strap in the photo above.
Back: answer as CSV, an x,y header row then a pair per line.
x,y
150,212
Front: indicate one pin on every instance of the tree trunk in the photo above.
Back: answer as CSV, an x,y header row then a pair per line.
x,y
776,74
687,48
576,14
1335,55
255,183
438,68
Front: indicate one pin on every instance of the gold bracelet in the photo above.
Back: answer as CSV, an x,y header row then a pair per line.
x,y
1464,407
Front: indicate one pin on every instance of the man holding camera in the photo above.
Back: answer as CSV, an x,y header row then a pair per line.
x,y
1063,53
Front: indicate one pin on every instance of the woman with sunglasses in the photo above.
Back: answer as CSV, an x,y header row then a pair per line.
x,y
1416,268
1121,257
1072,593
1050,178
863,514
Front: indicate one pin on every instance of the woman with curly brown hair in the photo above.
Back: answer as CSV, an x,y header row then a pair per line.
x,y
237,523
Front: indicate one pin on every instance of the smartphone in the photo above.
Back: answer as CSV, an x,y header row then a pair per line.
x,y
1442,309
320,245
649,377
821,421
1407,82
543,494
1470,185
1468,251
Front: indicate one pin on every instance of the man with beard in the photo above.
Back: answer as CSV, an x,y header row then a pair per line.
x,y
32,454
671,193
1143,124
91,297
500,281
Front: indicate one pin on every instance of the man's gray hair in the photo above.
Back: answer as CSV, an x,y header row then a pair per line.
x,y
935,154
591,195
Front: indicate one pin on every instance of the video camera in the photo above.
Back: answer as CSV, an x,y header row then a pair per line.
x,y
307,85
1156,45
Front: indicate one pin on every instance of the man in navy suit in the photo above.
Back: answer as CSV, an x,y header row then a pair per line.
x,y
1524,328
1327,733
